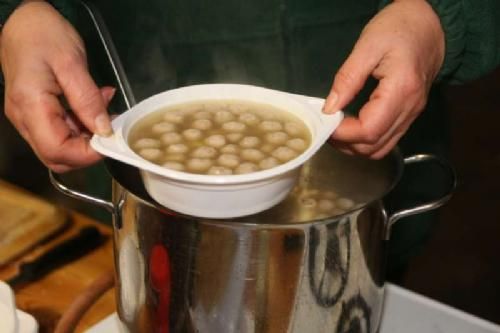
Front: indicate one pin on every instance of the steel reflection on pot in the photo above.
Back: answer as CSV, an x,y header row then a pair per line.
x,y
329,271
251,278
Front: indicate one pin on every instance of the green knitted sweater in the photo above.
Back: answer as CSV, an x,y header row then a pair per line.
x,y
472,29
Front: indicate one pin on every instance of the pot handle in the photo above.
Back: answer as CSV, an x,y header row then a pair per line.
x,y
56,182
448,170
126,93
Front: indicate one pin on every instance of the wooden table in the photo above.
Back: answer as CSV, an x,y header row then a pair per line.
x,y
46,299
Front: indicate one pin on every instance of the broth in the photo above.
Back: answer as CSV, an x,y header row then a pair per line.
x,y
219,137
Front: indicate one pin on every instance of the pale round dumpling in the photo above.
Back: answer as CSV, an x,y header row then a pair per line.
x,y
204,152
237,108
174,165
189,109
294,129
175,158
223,116
146,143
284,153
163,127
216,140
230,149
151,154
246,167
268,163
251,154
267,148
249,119
228,160
199,165
173,117
219,170
171,138
267,113
345,203
270,126
234,126
234,137
177,148
202,124
215,107
326,205
297,144
249,142
308,202
277,138
192,134
202,115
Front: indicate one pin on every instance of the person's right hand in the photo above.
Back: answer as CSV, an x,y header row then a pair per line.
x,y
43,58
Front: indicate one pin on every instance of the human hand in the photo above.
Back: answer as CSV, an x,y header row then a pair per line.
x,y
43,58
403,48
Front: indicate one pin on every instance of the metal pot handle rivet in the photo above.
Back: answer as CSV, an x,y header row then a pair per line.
x,y
428,205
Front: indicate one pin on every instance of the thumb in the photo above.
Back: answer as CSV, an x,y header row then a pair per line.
x,y
352,75
86,100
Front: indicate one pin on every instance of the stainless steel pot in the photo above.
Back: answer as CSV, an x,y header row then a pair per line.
x,y
289,269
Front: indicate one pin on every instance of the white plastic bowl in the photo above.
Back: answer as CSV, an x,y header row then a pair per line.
x,y
211,196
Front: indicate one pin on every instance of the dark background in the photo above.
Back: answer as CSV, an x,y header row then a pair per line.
x,y
459,265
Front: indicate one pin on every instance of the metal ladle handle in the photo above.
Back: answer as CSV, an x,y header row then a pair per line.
x,y
428,206
126,93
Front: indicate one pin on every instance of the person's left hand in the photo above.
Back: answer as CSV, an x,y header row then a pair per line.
x,y
402,47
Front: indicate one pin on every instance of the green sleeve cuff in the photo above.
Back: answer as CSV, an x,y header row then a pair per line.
x,y
454,26
452,20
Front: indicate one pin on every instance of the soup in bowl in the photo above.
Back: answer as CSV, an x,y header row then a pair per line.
x,y
219,137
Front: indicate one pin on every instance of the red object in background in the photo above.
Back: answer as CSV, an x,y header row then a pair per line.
x,y
160,276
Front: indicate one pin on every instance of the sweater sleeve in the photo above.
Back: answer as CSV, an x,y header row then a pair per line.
x,y
472,37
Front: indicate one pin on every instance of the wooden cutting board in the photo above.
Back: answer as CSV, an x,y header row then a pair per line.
x,y
25,221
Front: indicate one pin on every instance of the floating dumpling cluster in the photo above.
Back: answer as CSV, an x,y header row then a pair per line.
x,y
220,137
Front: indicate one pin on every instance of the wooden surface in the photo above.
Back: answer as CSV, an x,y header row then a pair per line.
x,y
47,298
25,221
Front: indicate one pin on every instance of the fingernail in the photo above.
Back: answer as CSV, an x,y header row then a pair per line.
x,y
108,93
102,125
111,94
330,103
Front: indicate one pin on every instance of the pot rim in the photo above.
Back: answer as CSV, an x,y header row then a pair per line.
x,y
395,154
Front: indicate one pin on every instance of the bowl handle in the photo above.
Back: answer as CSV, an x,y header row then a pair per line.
x,y
450,173
329,122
